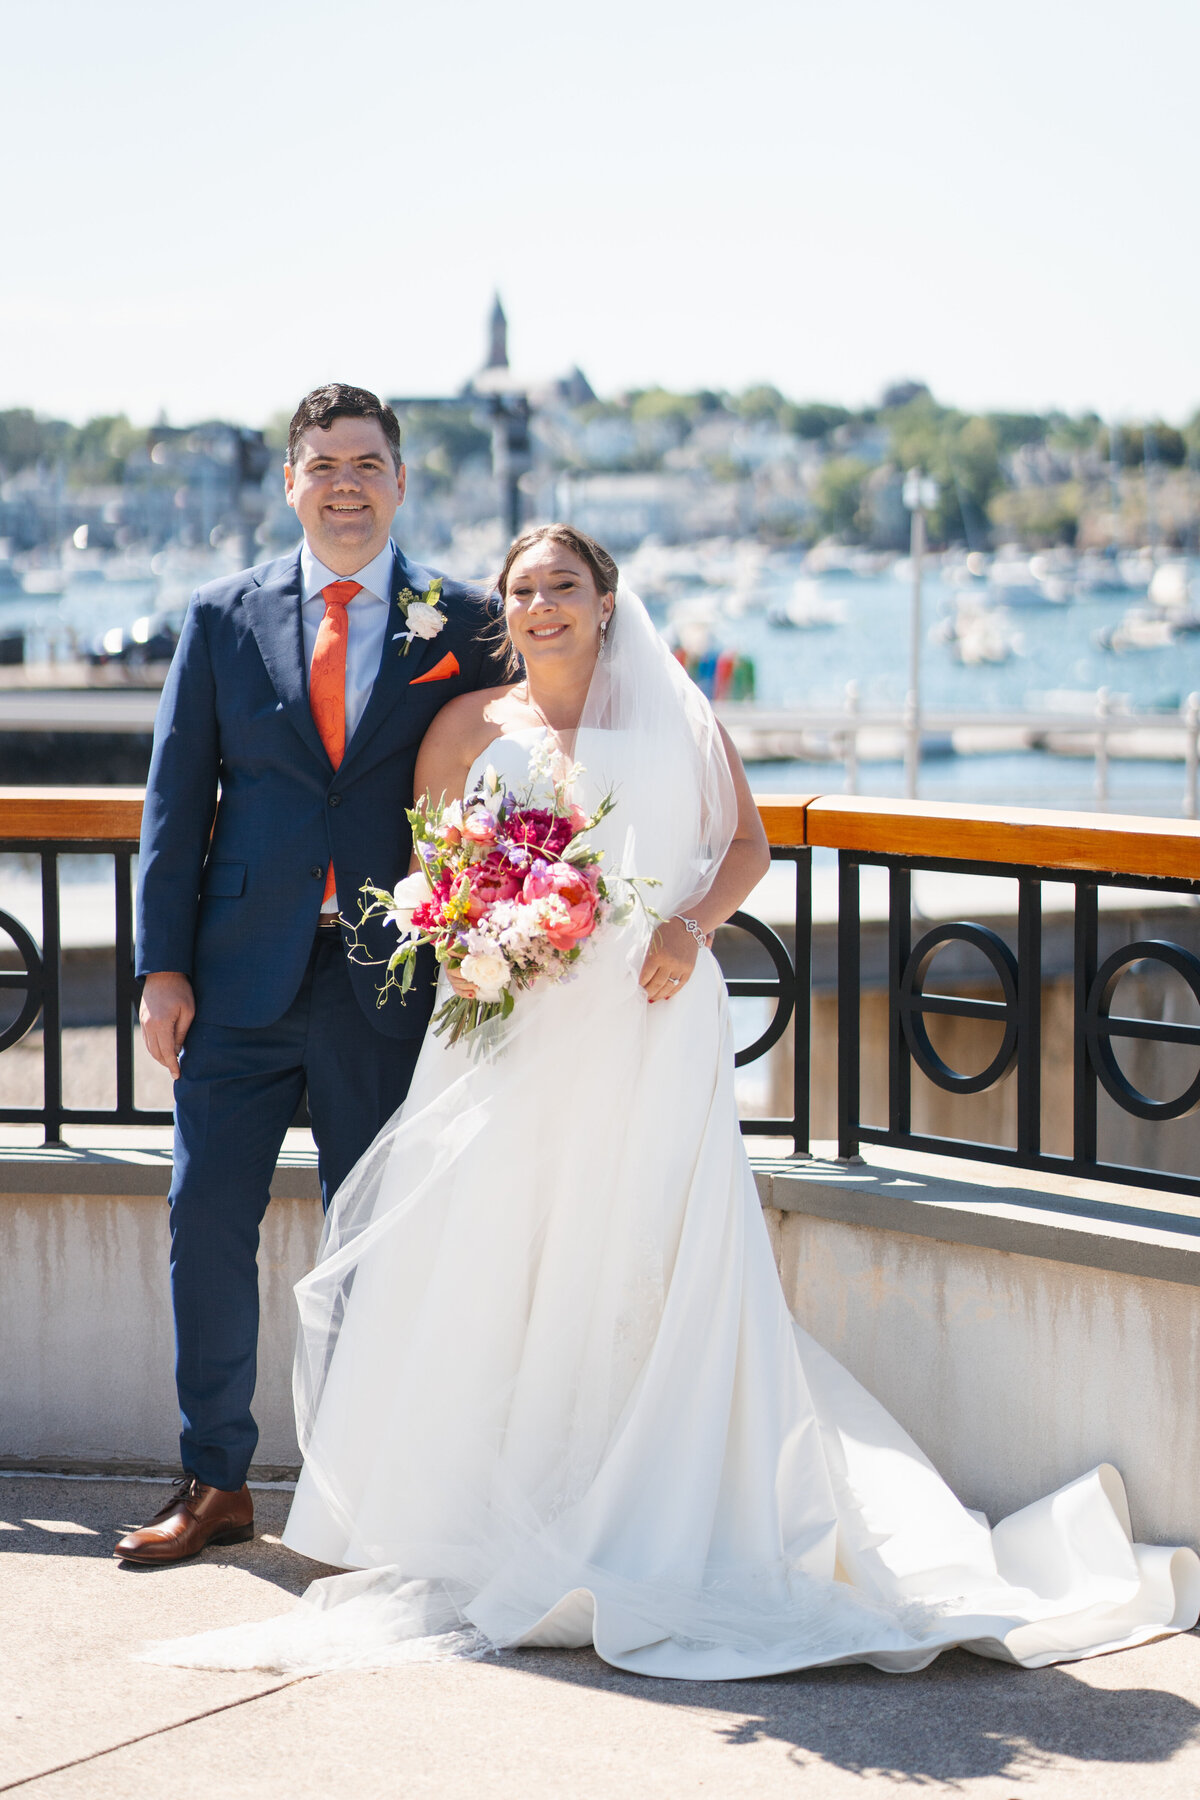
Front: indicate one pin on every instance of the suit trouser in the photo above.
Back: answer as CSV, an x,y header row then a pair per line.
x,y
237,1093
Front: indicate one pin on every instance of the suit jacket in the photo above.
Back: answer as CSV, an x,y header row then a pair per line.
x,y
237,910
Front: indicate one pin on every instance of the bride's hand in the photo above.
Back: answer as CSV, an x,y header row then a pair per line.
x,y
462,988
669,961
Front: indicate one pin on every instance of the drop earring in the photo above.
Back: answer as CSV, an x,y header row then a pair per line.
x,y
603,636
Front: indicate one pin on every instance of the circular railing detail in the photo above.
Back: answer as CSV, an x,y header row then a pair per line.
x,y
914,1003
785,984
1100,1028
28,978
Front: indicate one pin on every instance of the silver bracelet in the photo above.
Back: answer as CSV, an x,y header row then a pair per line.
x,y
692,926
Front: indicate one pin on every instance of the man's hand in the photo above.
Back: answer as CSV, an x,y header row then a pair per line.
x,y
167,1010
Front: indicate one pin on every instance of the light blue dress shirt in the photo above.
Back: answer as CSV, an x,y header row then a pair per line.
x,y
366,616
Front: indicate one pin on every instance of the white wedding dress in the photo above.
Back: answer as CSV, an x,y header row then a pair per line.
x,y
550,1393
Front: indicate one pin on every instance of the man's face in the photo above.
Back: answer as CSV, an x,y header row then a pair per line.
x,y
344,489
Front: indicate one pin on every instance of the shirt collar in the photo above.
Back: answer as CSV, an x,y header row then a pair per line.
x,y
375,579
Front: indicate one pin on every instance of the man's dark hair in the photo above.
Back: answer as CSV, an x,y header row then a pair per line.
x,y
337,401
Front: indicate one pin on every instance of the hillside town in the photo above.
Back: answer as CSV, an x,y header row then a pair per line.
x,y
671,468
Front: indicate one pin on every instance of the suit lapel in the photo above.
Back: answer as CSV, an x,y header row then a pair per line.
x,y
273,610
395,669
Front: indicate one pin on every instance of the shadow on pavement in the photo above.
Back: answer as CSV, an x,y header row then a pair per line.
x,y
961,1719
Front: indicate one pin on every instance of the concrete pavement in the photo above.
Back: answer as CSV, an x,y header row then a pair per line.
x,y
80,1720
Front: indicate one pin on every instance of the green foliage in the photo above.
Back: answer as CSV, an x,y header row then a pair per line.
x,y
1038,515
839,496
1164,444
91,453
1068,434
1136,444
1011,430
759,403
962,452
657,405
600,409
97,450
903,393
26,439
814,419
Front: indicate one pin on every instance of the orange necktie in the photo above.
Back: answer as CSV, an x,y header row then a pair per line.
x,y
327,682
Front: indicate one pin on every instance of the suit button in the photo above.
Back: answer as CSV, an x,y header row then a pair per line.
x,y
335,799
316,871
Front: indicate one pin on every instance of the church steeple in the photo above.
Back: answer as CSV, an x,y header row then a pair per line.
x,y
498,333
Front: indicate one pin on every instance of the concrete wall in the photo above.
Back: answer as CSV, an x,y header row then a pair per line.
x,y
1014,1371
86,1340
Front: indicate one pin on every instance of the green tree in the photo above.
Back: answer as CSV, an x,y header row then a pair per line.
x,y
839,495
1038,515
814,419
24,438
759,403
962,452
1065,433
96,451
1011,430
658,405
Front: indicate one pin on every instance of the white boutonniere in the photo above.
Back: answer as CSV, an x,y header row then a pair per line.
x,y
421,614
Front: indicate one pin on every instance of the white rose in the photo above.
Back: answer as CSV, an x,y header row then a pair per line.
x,y
488,975
407,895
424,621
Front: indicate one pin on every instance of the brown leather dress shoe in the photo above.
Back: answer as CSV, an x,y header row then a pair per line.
x,y
194,1517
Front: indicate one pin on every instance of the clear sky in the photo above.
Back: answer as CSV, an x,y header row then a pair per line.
x,y
210,208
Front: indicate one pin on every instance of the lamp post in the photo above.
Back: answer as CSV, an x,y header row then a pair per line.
x,y
920,495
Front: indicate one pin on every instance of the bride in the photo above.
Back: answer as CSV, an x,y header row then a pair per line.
x,y
547,1387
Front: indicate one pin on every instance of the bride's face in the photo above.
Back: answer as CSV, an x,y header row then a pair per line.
x,y
553,608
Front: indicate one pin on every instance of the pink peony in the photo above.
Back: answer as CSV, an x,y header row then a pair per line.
x,y
539,882
478,826
576,893
492,880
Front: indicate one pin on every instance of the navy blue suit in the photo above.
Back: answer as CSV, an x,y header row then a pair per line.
x,y
243,813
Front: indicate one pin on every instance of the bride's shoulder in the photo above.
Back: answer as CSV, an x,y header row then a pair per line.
x,y
481,715
461,731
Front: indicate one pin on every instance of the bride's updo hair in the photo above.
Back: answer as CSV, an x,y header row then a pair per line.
x,y
594,556
604,570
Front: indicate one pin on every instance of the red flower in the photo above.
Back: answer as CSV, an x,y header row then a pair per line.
x,y
541,829
493,879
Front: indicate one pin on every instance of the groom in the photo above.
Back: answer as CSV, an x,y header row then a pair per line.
x,y
283,763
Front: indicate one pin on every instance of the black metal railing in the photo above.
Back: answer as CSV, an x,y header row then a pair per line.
x,y
39,979
789,988
1017,1013
31,982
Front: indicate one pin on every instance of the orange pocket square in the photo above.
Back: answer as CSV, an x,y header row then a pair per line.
x,y
441,671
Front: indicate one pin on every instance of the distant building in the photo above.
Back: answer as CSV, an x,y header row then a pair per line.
x,y
498,338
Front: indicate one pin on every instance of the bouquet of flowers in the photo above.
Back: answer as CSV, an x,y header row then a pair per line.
x,y
508,893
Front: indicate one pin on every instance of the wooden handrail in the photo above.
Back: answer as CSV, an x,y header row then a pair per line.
x,y
78,814
783,816
1106,843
